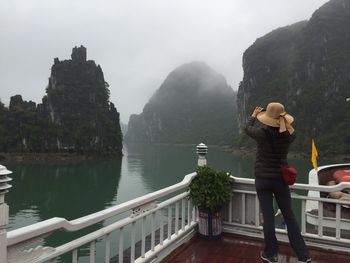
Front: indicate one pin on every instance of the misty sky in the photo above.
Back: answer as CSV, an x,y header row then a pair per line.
x,y
136,42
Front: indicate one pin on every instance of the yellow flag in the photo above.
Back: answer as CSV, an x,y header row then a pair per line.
x,y
314,155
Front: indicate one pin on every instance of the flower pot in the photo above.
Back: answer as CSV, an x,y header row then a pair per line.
x,y
210,224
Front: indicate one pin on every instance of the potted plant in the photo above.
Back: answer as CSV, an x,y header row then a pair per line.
x,y
209,190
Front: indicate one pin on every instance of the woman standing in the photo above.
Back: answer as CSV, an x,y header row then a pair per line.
x,y
272,148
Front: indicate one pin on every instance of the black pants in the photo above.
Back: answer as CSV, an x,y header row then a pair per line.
x,y
266,189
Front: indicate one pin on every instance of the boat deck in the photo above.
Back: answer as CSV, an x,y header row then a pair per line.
x,y
237,249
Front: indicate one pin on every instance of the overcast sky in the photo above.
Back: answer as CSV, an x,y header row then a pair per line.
x,y
136,42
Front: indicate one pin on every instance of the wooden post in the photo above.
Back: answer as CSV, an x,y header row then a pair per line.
x,y
202,150
4,212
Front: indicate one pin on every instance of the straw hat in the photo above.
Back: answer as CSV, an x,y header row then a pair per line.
x,y
276,116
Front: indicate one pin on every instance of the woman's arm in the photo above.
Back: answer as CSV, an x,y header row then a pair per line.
x,y
251,130
256,111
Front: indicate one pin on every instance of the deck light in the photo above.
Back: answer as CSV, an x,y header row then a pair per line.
x,y
4,211
202,150
4,180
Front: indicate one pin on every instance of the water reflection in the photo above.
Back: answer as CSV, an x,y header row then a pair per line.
x,y
62,190
159,166
45,190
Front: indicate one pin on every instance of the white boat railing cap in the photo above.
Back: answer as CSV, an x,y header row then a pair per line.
x,y
320,168
4,170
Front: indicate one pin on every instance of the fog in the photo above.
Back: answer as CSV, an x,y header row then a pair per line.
x,y
136,42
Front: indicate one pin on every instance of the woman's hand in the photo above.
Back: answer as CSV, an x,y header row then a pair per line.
x,y
256,111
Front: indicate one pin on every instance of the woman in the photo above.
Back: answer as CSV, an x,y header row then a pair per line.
x,y
272,148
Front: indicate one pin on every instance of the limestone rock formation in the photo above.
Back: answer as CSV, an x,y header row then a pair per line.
x,y
78,104
306,66
194,104
75,115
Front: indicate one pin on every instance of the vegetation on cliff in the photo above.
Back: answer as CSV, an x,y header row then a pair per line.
x,y
194,104
75,115
306,66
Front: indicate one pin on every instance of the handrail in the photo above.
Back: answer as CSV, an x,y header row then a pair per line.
x,y
50,225
329,166
298,186
303,197
107,229
321,188
327,231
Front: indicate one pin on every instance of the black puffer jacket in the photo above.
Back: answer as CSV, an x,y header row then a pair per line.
x,y
269,159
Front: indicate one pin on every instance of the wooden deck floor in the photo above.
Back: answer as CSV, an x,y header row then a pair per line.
x,y
235,249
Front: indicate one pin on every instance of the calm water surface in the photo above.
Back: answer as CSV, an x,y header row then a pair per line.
x,y
71,190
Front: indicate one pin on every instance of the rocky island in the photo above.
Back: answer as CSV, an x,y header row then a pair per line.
x,y
75,115
194,104
306,66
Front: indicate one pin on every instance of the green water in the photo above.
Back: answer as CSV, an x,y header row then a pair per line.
x,y
71,190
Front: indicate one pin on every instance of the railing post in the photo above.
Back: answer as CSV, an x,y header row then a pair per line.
x,y
4,212
202,150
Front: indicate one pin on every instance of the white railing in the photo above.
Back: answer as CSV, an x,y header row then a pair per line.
x,y
172,222
162,221
242,215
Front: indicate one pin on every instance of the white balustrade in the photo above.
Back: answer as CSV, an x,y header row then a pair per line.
x,y
149,213
141,208
121,244
4,211
326,232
